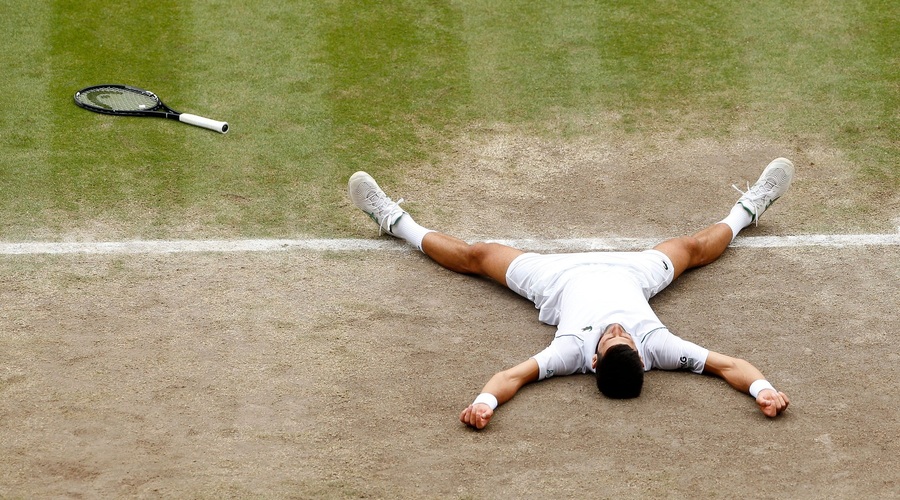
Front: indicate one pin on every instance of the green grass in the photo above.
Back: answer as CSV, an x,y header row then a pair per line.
x,y
317,90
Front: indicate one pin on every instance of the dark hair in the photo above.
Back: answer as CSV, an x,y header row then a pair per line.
x,y
620,373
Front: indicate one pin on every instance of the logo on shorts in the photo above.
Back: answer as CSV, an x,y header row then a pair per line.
x,y
665,265
587,328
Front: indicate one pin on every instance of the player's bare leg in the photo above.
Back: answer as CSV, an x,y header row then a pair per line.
x,y
486,259
707,245
697,250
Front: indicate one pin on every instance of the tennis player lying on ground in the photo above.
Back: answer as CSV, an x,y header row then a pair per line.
x,y
597,300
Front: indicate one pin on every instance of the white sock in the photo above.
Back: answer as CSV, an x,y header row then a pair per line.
x,y
737,219
406,228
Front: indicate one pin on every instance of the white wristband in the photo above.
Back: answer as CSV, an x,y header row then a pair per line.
x,y
758,386
486,398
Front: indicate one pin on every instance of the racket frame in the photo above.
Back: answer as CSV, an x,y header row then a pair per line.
x,y
161,110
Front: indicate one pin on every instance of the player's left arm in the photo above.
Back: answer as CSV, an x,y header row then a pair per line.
x,y
742,375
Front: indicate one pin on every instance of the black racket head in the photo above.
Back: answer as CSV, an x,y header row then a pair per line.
x,y
115,99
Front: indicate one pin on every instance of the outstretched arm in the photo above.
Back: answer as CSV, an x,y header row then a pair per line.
x,y
741,375
503,386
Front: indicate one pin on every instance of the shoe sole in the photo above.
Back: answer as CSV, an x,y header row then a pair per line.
x,y
356,180
358,197
788,167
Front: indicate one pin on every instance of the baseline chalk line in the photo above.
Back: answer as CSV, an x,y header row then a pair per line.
x,y
354,245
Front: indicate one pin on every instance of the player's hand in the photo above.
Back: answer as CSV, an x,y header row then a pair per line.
x,y
772,403
476,416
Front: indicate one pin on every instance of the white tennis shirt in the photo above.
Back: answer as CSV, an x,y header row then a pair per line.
x,y
583,293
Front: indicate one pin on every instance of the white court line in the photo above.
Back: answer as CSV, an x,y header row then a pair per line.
x,y
351,245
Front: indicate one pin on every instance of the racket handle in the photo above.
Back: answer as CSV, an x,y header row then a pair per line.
x,y
203,122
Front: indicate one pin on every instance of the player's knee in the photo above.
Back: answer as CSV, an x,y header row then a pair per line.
x,y
691,245
478,253
692,248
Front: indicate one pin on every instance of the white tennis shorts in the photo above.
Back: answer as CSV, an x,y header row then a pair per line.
x,y
541,278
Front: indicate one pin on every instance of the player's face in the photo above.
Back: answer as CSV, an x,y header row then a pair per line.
x,y
614,335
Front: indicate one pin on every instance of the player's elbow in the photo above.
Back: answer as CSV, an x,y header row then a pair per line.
x,y
509,377
721,365
521,374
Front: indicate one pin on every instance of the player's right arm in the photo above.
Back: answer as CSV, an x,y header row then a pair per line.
x,y
503,386
740,374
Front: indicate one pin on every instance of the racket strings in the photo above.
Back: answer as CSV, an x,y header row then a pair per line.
x,y
117,99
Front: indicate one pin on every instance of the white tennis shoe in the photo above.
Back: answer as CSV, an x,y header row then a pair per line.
x,y
368,197
772,184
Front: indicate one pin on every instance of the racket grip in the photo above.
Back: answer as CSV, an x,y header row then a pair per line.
x,y
203,122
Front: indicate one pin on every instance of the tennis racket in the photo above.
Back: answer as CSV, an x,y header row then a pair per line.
x,y
123,100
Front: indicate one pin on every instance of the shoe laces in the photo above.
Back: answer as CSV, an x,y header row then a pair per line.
x,y
748,194
384,208
739,189
760,194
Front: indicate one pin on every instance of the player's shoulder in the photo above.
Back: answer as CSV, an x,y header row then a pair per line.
x,y
564,356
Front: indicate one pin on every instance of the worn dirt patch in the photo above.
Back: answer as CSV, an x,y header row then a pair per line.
x,y
320,374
